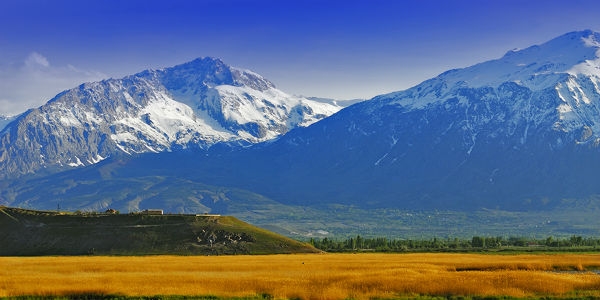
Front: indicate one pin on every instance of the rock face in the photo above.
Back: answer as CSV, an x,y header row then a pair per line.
x,y
194,105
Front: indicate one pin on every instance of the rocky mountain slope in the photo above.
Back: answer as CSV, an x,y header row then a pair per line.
x,y
194,105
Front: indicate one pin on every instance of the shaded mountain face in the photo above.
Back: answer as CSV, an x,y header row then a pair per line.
x,y
191,106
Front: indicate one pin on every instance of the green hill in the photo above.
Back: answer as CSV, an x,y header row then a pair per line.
x,y
30,232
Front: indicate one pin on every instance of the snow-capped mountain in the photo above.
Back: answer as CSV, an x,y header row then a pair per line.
x,y
193,105
4,120
519,132
567,67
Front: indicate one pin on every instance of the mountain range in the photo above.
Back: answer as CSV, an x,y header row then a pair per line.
x,y
520,132
518,135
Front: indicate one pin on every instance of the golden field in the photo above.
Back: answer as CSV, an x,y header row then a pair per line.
x,y
310,276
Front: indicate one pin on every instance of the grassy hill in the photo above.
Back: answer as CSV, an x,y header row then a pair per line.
x,y
31,232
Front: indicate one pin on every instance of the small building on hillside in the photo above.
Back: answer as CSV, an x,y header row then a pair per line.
x,y
153,212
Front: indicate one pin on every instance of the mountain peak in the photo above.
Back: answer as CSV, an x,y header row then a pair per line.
x,y
537,67
192,105
577,37
211,72
567,49
203,63
530,67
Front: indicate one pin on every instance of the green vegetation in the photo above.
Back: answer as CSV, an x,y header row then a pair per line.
x,y
475,244
30,232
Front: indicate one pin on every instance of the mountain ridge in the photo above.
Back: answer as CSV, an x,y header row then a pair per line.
x,y
526,142
196,104
501,146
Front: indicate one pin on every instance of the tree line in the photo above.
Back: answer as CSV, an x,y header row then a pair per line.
x,y
476,243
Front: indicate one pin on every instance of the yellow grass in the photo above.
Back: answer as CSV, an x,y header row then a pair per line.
x,y
312,276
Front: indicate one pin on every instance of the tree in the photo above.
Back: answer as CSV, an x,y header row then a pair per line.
x,y
360,243
576,241
478,242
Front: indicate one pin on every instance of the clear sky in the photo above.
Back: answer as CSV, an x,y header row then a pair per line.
x,y
338,49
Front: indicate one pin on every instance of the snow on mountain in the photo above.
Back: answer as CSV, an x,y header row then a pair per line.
x,y
567,66
517,133
4,120
537,67
514,133
193,105
336,102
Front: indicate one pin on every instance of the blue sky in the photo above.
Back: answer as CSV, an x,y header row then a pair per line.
x,y
338,49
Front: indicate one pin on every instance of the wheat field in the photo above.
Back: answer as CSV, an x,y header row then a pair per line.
x,y
311,276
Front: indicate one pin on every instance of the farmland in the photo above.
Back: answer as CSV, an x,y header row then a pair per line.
x,y
305,276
